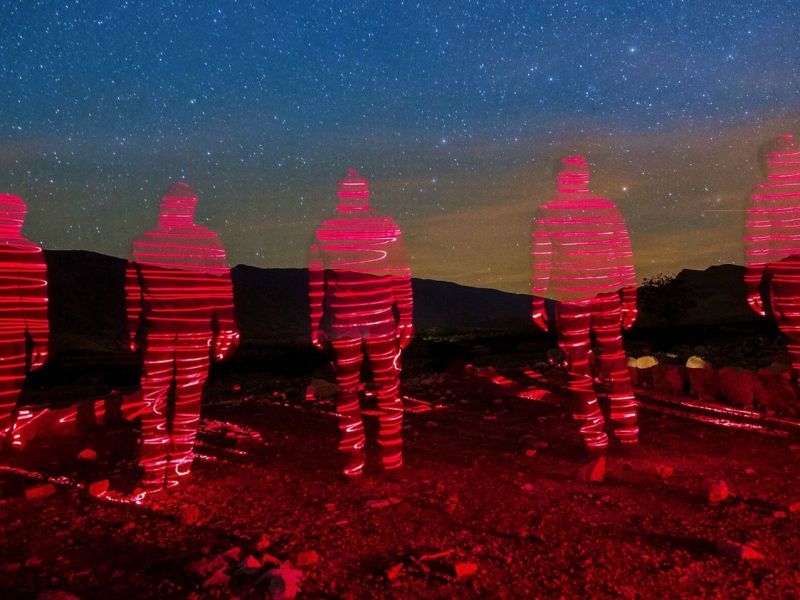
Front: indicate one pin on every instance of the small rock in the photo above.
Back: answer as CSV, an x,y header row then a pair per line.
x,y
309,557
42,490
33,561
528,487
531,452
717,491
218,578
87,454
284,582
263,542
11,567
750,470
235,553
393,572
99,488
190,514
250,564
595,471
794,507
779,514
465,569
664,471
742,551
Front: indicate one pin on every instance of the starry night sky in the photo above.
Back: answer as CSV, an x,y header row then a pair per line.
x,y
456,111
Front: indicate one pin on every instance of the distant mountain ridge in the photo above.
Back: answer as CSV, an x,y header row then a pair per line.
x,y
87,304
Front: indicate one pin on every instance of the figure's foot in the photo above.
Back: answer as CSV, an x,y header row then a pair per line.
x,y
594,471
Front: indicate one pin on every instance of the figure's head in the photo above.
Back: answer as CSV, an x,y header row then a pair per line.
x,y
780,157
12,211
178,204
573,176
353,191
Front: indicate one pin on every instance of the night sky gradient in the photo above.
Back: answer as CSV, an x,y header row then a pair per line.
x,y
456,111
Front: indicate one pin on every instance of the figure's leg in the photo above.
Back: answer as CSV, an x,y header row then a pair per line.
x,y
383,355
573,320
12,376
191,371
159,366
347,363
613,366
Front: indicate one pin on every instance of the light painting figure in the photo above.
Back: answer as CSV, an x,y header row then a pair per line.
x,y
24,326
361,305
581,258
772,244
180,310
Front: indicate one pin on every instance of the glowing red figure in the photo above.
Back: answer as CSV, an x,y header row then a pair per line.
x,y
358,277
23,311
581,257
180,309
773,219
772,243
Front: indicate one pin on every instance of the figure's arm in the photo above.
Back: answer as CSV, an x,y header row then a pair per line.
x,y
316,293
33,301
226,339
541,266
627,274
403,294
134,301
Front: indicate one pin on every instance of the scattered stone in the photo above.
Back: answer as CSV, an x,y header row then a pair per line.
x,y
99,488
741,551
465,569
218,578
190,514
284,582
393,572
307,558
595,471
39,491
717,491
87,454
664,471
263,542
383,503
206,566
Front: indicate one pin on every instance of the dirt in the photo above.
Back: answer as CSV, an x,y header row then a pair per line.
x,y
488,506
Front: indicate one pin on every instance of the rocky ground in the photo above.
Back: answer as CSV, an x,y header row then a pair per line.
x,y
488,506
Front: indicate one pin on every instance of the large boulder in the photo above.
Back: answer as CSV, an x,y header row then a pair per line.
x,y
773,390
702,379
737,386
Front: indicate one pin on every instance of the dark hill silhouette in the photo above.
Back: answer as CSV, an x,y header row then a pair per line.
x,y
87,308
